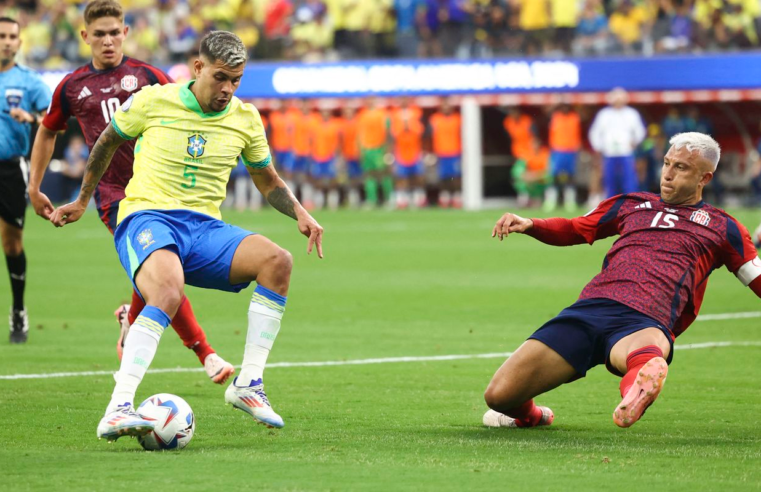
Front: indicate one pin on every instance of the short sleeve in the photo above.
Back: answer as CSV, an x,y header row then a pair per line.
x,y
257,152
129,121
740,254
601,222
40,95
58,111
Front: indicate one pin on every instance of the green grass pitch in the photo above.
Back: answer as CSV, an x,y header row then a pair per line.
x,y
415,284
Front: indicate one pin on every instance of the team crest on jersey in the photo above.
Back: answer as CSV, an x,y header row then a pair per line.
x,y
700,217
145,238
129,83
196,146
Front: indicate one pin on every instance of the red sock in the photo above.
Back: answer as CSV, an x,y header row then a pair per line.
x,y
191,333
526,415
634,362
135,307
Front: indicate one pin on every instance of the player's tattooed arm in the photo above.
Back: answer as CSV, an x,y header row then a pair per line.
x,y
275,191
99,160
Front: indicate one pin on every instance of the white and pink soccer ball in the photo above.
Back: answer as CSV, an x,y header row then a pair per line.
x,y
175,422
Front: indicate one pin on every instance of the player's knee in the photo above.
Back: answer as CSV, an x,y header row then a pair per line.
x,y
497,396
12,246
281,262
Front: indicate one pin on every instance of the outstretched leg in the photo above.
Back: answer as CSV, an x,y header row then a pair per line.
x,y
160,280
532,370
640,358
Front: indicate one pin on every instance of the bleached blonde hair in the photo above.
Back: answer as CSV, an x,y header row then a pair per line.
x,y
705,145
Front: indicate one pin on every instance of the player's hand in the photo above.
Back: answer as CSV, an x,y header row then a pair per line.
x,y
311,229
21,116
66,214
511,223
41,204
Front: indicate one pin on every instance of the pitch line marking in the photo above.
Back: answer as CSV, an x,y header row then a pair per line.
x,y
354,362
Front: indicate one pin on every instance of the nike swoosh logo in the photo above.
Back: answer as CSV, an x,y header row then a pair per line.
x,y
18,277
168,122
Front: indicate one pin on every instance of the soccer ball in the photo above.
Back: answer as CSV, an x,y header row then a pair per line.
x,y
175,423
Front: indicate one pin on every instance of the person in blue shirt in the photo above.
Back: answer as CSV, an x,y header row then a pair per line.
x,y
23,97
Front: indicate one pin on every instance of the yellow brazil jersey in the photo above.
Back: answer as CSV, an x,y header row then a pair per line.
x,y
183,156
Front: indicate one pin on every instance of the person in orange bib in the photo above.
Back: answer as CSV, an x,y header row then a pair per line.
x,y
281,140
407,131
302,152
530,173
565,143
447,146
521,129
350,154
325,134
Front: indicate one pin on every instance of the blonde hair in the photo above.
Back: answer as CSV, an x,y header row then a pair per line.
x,y
705,145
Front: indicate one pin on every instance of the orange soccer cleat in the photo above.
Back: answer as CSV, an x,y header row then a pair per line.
x,y
642,393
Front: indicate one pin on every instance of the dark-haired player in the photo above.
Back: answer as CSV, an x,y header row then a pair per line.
x,y
92,94
649,290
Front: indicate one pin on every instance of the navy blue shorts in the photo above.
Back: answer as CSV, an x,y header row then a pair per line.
x,y
205,245
584,333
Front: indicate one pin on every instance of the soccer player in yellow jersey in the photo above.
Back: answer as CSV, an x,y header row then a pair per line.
x,y
169,232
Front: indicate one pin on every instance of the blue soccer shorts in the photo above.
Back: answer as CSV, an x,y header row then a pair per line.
x,y
353,169
585,333
449,168
409,171
323,170
205,245
563,163
284,161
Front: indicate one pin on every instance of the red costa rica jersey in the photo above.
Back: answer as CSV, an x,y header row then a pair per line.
x,y
92,96
661,263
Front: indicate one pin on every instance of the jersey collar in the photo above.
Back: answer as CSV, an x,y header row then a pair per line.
x,y
190,101
700,204
95,70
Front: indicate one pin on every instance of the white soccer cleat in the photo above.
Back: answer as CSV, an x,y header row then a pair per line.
x,y
218,369
19,324
123,421
254,402
123,320
492,418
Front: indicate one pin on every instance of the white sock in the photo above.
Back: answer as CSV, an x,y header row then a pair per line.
x,y
139,349
334,199
550,197
353,197
264,317
569,196
445,197
307,193
319,199
419,197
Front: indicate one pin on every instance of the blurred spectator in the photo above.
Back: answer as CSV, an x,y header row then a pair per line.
x,y
591,32
565,14
406,13
446,129
627,26
672,123
694,122
649,157
73,169
615,133
680,30
534,19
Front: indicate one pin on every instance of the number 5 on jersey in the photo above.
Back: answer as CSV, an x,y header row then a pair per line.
x,y
669,220
189,173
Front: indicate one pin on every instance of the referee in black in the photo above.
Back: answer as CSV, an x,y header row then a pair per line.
x,y
23,96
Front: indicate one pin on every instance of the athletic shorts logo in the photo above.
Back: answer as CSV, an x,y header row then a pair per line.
x,y
700,217
129,83
196,146
145,238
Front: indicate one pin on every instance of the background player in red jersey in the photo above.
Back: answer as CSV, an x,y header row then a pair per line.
x,y
92,94
649,290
